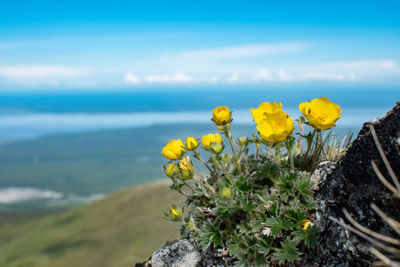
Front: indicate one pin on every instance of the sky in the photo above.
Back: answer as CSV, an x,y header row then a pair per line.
x,y
136,45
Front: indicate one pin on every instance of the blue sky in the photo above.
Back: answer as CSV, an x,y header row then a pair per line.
x,y
135,45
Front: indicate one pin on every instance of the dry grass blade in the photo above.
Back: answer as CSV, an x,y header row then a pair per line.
x,y
385,260
370,239
384,158
393,223
383,179
369,232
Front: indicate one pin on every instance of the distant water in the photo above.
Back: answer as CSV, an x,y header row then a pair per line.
x,y
29,115
31,125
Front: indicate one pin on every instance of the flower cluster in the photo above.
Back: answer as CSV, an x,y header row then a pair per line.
x,y
259,207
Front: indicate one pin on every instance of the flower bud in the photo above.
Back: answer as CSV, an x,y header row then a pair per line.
x,y
226,193
226,158
221,115
175,214
186,168
242,141
172,170
222,127
191,143
173,150
208,139
217,148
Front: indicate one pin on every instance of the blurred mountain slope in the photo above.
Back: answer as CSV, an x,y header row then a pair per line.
x,y
121,229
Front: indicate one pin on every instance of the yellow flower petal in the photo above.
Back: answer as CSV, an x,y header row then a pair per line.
x,y
263,109
191,143
304,224
210,138
173,150
221,115
321,113
276,127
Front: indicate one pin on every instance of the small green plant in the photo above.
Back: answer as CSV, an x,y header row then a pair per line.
x,y
259,207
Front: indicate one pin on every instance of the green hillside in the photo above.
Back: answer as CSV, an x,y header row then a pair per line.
x,y
124,228
92,162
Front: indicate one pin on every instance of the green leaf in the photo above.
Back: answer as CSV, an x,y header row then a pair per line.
x,y
247,205
304,186
235,250
276,226
243,184
309,236
296,216
310,203
287,253
265,244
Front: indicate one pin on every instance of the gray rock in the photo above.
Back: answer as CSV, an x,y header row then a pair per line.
x,y
353,185
324,169
182,253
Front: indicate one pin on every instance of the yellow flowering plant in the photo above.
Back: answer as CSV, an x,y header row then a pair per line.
x,y
209,139
263,109
275,127
221,115
175,149
191,143
259,207
321,113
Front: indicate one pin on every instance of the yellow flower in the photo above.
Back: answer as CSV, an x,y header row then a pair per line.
x,y
173,150
191,143
175,214
321,113
208,139
226,192
221,115
304,224
185,165
186,168
276,127
263,109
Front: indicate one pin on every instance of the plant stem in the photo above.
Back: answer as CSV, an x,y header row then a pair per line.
x,y
291,160
258,150
197,156
188,185
308,148
228,136
206,186
222,165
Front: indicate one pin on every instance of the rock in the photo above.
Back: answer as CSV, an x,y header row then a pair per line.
x,y
182,253
324,169
185,254
353,185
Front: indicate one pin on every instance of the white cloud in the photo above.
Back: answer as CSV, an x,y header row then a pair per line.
x,y
265,75
131,78
14,194
178,77
32,76
346,71
40,71
234,78
243,51
181,77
